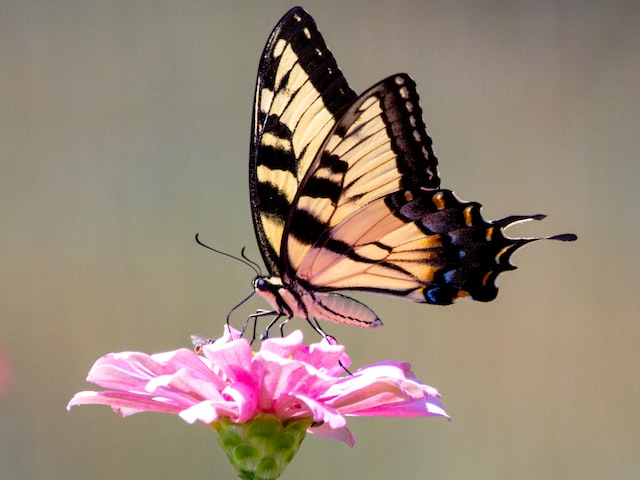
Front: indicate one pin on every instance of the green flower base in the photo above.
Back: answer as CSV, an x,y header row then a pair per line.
x,y
261,448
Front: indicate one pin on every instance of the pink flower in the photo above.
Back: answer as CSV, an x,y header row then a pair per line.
x,y
284,379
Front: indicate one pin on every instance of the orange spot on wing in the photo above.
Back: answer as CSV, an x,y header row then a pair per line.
x,y
468,220
438,201
489,234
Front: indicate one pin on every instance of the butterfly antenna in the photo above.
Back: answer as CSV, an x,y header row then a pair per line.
x,y
243,255
250,263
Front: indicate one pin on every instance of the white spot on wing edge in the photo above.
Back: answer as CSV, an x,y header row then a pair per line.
x,y
279,47
266,99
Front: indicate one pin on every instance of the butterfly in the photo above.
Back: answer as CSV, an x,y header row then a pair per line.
x,y
345,193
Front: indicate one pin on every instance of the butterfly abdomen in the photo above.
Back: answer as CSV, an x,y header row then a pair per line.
x,y
296,301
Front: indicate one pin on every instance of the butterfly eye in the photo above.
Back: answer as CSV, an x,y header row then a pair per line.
x,y
261,284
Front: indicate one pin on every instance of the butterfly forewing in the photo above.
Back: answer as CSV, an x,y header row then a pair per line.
x,y
299,95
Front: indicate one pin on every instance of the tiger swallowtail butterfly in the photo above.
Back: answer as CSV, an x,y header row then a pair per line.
x,y
345,193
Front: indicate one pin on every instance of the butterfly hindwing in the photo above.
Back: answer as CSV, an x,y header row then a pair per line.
x,y
300,93
369,214
425,246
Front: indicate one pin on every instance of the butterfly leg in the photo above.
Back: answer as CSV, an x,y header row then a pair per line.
x,y
316,326
255,316
275,319
282,325
259,313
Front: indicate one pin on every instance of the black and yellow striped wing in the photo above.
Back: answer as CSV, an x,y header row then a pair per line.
x,y
345,192
300,94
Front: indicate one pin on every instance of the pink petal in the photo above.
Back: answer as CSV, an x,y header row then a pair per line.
x,y
342,434
232,357
183,387
384,389
413,409
208,411
322,413
322,356
132,370
283,347
124,403
245,398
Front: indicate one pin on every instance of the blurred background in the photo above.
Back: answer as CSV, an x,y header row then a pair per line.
x,y
124,130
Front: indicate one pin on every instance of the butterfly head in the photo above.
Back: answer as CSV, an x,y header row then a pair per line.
x,y
261,283
280,296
